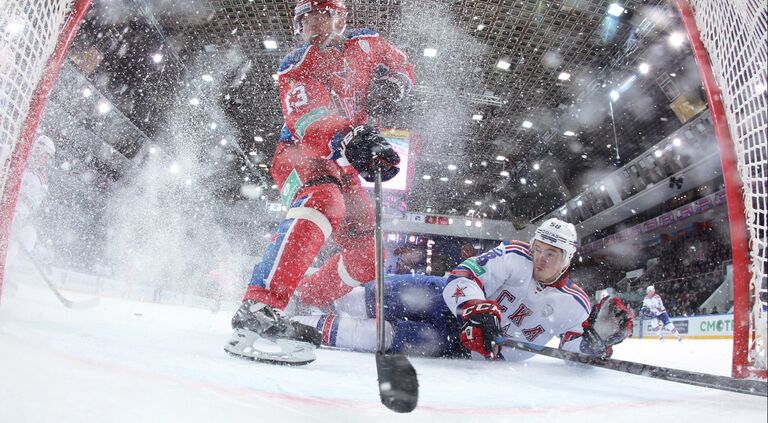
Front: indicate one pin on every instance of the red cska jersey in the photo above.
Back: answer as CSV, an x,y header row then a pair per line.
x,y
323,92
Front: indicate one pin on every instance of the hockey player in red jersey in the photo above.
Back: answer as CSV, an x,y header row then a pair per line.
x,y
329,87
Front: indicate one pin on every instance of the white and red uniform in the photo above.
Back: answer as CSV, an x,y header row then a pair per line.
x,y
323,94
530,311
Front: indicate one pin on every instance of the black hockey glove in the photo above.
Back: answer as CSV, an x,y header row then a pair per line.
x,y
481,327
609,323
384,94
367,152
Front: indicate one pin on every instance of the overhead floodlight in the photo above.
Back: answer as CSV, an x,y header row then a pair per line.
x,y
444,178
676,39
253,153
657,153
207,78
157,57
602,187
174,168
564,76
614,95
527,124
483,163
569,133
615,9
503,64
563,211
194,101
478,203
430,52
480,27
451,167
523,181
643,68
426,177
103,107
223,141
87,92
579,203
270,44
258,138
189,182
493,206
467,223
676,142
504,173
468,181
477,117
152,150
478,224
262,165
536,166
213,125
500,158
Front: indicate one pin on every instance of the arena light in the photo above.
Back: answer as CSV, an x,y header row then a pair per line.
x,y
563,211
569,133
103,107
444,179
677,142
258,138
564,76
477,117
676,39
426,177
602,187
174,168
157,57
614,95
87,92
643,68
223,141
503,64
536,166
478,224
523,181
451,167
480,27
500,158
468,181
527,124
194,101
478,203
579,203
253,153
207,78
493,206
270,44
615,9
430,52
504,173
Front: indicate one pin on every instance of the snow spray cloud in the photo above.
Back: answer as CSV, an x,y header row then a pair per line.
x,y
166,226
443,81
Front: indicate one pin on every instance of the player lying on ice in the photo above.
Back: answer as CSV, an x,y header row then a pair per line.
x,y
329,86
517,290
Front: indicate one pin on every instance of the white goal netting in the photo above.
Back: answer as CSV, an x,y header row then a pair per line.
x,y
734,32
29,31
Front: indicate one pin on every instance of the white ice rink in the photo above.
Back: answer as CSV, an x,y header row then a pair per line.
x,y
127,361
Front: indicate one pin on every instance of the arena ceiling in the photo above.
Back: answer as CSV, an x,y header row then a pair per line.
x,y
514,97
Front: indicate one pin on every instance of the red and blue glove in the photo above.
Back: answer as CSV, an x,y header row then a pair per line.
x,y
481,326
609,323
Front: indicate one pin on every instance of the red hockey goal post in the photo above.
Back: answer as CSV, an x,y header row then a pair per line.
x,y
34,38
728,39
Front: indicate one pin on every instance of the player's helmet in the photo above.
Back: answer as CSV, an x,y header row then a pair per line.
x,y
560,234
649,289
305,6
44,145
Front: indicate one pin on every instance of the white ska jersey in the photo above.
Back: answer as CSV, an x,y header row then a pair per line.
x,y
531,312
654,304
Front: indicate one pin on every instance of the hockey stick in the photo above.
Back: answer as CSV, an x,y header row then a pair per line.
x,y
398,384
77,305
741,386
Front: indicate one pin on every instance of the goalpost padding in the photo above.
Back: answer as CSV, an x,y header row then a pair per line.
x,y
34,38
728,39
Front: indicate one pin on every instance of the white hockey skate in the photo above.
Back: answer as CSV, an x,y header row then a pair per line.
x,y
261,333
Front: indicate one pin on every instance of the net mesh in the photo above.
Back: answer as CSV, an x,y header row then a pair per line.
x,y
735,36
29,30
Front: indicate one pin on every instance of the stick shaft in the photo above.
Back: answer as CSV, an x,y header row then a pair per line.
x,y
380,333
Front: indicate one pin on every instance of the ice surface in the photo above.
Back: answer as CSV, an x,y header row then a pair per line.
x,y
127,361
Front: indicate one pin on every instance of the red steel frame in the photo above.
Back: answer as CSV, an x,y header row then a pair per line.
x,y
24,145
738,227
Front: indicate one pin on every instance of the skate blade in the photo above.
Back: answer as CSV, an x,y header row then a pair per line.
x,y
251,346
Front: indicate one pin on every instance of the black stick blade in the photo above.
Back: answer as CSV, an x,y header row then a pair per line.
x,y
398,385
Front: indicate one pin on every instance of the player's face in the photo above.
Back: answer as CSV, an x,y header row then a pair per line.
x,y
547,261
317,26
651,293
